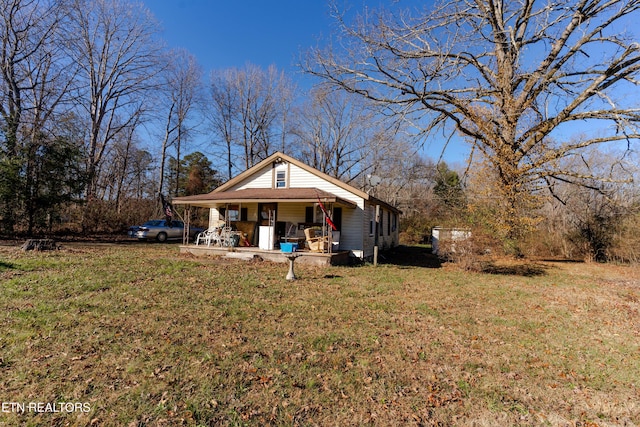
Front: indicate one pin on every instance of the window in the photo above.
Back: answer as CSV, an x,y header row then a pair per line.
x,y
233,213
337,218
281,175
372,221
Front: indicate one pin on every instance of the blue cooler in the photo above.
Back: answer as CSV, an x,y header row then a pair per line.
x,y
288,247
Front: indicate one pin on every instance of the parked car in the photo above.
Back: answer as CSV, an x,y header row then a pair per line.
x,y
159,230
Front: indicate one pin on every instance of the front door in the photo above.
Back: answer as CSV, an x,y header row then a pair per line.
x,y
267,212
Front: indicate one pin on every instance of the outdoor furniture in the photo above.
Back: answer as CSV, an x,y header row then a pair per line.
x,y
228,237
209,235
316,243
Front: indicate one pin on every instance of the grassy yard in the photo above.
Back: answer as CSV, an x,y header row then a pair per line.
x,y
138,335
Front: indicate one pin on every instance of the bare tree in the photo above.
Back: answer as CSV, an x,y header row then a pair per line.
x,y
511,77
246,111
406,180
181,86
220,111
590,218
115,181
113,43
34,81
262,96
343,136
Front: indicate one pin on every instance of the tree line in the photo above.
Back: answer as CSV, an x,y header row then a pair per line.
x,y
98,116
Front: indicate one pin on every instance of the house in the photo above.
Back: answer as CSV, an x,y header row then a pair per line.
x,y
279,198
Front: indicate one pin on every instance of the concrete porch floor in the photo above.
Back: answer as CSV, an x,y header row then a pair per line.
x,y
249,253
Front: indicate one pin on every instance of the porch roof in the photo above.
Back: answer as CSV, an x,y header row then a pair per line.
x,y
256,195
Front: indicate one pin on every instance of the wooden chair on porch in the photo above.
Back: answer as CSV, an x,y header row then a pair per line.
x,y
316,243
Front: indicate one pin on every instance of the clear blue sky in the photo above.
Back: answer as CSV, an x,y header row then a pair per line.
x,y
232,33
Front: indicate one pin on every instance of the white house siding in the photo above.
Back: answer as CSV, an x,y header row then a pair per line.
x,y
355,222
386,240
260,179
351,220
252,213
301,178
291,212
214,217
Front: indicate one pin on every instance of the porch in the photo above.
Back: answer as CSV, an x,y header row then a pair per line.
x,y
256,222
274,255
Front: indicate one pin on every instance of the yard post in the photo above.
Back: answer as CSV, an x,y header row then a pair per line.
x,y
377,231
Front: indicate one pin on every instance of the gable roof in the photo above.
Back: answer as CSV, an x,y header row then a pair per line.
x,y
281,156
222,193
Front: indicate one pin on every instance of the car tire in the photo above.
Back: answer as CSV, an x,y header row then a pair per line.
x,y
161,237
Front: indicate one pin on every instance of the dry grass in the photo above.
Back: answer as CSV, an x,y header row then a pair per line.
x,y
149,337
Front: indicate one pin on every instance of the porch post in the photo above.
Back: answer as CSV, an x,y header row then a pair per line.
x,y
186,230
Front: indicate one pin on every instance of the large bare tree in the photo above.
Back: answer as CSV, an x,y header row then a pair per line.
x,y
220,110
114,44
34,82
262,95
512,77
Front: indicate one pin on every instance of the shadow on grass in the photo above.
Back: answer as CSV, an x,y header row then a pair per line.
x,y
6,266
410,256
421,256
526,270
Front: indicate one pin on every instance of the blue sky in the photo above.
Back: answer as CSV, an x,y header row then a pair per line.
x,y
224,34
231,33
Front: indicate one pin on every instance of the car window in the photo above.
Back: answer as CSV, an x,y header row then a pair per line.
x,y
154,223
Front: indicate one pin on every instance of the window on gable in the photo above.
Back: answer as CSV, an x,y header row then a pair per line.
x,y
281,179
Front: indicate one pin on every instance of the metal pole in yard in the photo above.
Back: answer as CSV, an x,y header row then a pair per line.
x,y
375,246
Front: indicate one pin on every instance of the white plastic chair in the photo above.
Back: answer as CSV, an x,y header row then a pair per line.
x,y
226,236
208,236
